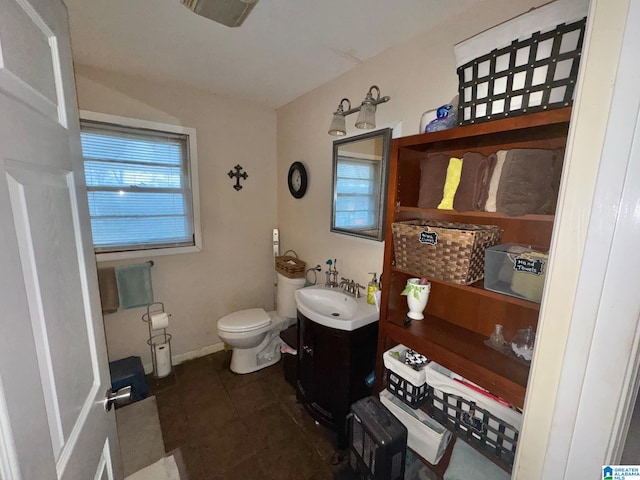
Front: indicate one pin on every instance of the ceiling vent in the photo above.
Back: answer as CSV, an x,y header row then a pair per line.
x,y
227,12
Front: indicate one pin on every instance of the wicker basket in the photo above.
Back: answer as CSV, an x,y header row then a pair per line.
x,y
448,251
290,267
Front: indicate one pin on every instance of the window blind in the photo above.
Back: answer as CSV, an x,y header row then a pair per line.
x,y
356,193
139,187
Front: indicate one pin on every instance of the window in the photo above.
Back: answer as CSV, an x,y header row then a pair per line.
x,y
357,182
142,186
360,172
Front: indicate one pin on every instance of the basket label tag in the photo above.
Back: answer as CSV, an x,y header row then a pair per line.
x,y
527,265
430,238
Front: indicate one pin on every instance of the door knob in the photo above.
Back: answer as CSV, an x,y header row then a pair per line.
x,y
122,397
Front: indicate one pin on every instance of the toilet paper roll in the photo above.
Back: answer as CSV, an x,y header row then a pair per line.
x,y
163,360
159,320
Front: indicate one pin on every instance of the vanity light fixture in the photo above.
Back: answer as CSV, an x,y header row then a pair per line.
x,y
367,117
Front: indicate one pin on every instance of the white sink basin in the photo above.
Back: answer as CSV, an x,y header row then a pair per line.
x,y
334,308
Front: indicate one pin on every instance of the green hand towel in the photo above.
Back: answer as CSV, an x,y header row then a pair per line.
x,y
134,285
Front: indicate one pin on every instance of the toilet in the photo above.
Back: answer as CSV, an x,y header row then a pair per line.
x,y
254,333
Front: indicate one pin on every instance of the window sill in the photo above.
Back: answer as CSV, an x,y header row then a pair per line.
x,y
107,257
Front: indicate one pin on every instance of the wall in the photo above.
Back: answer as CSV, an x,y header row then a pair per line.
x,y
199,288
418,76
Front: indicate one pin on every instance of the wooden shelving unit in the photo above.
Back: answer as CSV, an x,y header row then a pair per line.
x,y
460,318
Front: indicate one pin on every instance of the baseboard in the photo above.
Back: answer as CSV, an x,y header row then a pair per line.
x,y
185,357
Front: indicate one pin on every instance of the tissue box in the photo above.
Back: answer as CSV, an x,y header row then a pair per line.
x,y
516,270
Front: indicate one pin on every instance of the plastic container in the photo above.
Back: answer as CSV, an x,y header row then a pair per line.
x,y
482,420
404,382
372,287
515,269
425,436
525,65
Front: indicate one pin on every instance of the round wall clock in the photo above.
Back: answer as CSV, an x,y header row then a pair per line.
x,y
297,180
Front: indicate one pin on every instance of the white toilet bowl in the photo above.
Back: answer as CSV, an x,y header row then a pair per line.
x,y
254,333
255,337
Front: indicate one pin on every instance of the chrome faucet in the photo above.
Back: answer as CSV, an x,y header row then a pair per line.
x,y
350,287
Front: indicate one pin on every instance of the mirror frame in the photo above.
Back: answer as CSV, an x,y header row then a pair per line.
x,y
385,134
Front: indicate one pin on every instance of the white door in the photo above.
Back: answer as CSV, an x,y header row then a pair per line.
x,y
53,363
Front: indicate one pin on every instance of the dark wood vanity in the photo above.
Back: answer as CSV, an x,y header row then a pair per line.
x,y
332,369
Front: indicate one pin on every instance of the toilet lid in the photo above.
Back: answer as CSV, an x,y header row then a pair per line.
x,y
244,320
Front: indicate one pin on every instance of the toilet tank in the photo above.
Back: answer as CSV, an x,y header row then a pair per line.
x,y
285,300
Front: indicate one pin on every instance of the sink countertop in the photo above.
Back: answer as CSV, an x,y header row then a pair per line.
x,y
333,308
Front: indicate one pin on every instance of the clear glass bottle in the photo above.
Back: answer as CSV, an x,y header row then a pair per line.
x,y
497,338
522,343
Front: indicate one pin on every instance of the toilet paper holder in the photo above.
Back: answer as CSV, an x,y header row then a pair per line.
x,y
159,340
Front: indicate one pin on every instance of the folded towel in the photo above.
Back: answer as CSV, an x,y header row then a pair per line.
x,y
474,182
433,173
525,182
490,206
549,208
467,463
134,285
451,183
108,289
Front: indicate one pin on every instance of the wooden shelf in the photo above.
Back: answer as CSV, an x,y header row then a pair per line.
x,y
465,353
460,318
478,289
535,126
445,214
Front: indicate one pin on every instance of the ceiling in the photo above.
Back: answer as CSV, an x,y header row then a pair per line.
x,y
284,49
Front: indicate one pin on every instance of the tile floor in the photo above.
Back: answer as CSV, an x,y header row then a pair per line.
x,y
237,427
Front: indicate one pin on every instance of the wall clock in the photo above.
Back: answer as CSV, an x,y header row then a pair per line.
x,y
297,180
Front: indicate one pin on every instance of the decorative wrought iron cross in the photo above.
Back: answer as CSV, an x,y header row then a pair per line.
x,y
238,176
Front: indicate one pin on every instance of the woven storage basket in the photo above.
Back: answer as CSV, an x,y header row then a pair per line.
x,y
289,266
449,251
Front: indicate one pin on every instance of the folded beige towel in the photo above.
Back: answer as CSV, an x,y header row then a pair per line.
x,y
108,289
501,156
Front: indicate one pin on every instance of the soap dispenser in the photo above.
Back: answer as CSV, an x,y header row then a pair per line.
x,y
371,288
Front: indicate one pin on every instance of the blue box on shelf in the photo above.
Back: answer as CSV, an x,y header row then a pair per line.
x,y
129,372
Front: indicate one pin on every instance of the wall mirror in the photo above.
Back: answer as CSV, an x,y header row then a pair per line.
x,y
360,172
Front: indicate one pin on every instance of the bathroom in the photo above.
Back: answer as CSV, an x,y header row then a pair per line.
x,y
234,270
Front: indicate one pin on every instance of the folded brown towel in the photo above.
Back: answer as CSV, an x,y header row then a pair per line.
x,y
525,182
474,182
108,289
490,205
433,173
549,208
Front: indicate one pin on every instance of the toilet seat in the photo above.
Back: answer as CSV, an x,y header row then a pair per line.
x,y
244,320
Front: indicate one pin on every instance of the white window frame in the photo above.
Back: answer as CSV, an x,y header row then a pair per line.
x,y
375,163
193,164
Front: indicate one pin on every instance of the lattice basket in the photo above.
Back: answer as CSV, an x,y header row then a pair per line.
x,y
290,266
448,251
528,76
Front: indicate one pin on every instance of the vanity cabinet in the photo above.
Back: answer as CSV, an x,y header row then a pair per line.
x,y
332,368
459,318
